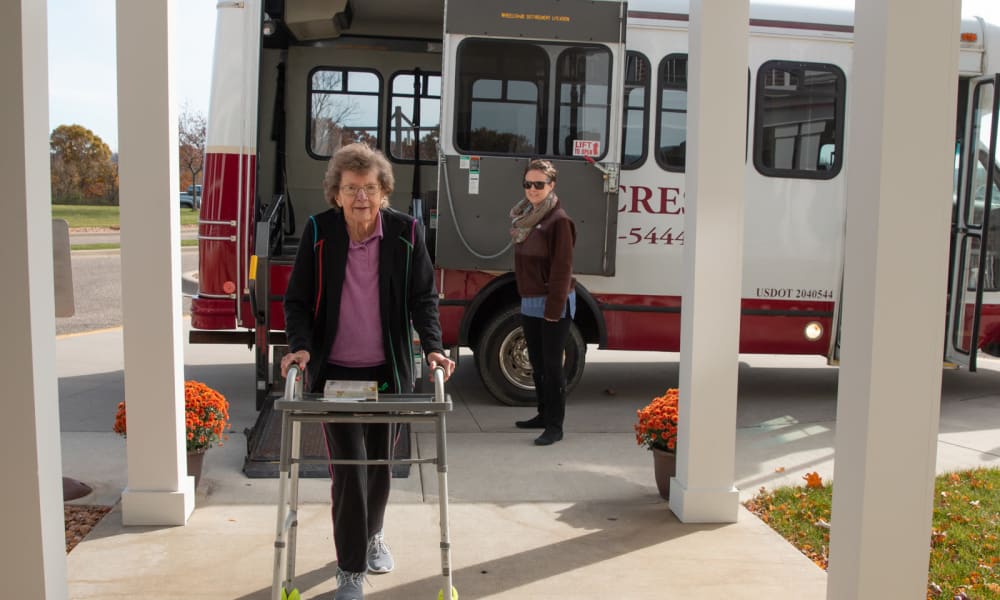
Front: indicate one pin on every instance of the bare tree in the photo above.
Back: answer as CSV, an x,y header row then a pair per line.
x,y
191,129
331,109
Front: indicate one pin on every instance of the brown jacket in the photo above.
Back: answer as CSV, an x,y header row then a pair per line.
x,y
543,262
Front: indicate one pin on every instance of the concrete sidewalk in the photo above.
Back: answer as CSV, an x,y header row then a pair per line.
x,y
580,519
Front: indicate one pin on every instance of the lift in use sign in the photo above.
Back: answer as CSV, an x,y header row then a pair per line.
x,y
586,148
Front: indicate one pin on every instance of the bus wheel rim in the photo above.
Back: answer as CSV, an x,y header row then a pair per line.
x,y
514,363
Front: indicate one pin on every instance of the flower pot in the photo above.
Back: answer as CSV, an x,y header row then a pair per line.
x,y
195,461
664,467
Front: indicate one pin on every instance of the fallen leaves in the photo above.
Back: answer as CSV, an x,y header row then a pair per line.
x,y
800,515
964,539
813,480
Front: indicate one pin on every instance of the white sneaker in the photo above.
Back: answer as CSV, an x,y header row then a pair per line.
x,y
349,586
379,556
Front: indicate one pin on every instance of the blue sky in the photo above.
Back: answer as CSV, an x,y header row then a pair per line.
x,y
82,85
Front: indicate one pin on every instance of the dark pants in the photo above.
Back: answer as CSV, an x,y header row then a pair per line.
x,y
546,341
359,493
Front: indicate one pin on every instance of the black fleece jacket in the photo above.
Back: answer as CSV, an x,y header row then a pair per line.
x,y
406,293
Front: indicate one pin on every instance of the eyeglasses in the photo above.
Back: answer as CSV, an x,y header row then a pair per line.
x,y
370,190
538,185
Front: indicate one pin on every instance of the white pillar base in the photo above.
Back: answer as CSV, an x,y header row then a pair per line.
x,y
155,507
706,505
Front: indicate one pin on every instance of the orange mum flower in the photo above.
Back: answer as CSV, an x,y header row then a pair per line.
x,y
656,426
206,416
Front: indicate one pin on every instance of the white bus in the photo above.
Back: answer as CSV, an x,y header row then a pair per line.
x,y
462,97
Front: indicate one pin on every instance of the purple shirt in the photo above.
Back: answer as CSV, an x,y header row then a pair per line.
x,y
359,327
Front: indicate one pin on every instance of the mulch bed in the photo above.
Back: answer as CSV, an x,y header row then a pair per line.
x,y
80,519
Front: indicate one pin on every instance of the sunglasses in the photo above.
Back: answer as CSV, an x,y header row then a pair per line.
x,y
538,185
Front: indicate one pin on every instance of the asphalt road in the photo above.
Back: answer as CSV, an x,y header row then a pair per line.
x,y
97,289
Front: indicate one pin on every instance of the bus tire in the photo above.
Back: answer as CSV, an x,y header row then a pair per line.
x,y
502,359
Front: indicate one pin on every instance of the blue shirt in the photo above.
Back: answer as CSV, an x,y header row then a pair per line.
x,y
534,306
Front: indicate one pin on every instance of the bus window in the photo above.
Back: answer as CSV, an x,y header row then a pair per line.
x,y
403,119
634,136
799,126
671,133
583,84
343,108
826,155
499,105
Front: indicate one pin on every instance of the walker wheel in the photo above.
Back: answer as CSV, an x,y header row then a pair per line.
x,y
293,595
454,594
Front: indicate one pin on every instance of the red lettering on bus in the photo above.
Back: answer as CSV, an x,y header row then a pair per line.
x,y
668,201
641,197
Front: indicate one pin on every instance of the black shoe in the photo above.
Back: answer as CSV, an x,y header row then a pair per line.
x,y
549,437
534,422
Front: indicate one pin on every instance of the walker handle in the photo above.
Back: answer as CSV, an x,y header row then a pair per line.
x,y
293,383
438,384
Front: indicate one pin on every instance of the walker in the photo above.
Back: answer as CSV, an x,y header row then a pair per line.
x,y
297,408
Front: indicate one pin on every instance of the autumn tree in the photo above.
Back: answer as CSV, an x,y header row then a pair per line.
x,y
82,167
191,130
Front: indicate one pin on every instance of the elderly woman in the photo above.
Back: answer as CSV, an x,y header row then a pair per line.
x,y
543,237
361,276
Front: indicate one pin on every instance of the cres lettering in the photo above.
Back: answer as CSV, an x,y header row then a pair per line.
x,y
640,200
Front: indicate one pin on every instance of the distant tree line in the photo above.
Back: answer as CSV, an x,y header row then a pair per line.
x,y
85,171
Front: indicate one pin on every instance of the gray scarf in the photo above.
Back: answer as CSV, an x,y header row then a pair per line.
x,y
525,215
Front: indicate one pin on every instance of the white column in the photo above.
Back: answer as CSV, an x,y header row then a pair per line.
x,y
703,491
34,562
901,130
159,491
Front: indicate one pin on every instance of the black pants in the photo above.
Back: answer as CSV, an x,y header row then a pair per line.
x,y
546,341
359,493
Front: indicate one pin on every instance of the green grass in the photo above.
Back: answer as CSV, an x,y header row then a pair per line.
x,y
88,215
965,549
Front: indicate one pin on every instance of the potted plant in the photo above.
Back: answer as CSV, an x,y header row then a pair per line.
x,y
206,417
656,429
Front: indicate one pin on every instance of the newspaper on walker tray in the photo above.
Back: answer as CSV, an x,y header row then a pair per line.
x,y
350,391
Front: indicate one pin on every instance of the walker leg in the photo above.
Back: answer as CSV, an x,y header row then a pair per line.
x,y
442,469
278,591
293,530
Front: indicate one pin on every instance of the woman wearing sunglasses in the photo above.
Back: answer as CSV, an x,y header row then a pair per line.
x,y
544,236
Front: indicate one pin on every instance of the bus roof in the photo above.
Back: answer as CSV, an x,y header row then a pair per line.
x,y
764,12
760,10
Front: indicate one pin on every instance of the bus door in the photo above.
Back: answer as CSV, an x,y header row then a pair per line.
x,y
833,353
975,264
526,79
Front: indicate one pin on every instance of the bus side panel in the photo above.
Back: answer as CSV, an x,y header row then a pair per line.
x,y
654,323
793,227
